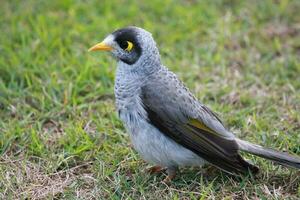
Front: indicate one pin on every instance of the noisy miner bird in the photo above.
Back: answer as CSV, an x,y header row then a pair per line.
x,y
167,125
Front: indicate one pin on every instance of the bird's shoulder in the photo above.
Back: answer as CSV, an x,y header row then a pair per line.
x,y
164,87
168,85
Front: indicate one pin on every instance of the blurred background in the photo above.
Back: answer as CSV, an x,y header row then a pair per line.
x,y
60,136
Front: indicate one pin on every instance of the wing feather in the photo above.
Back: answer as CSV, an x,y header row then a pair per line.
x,y
192,125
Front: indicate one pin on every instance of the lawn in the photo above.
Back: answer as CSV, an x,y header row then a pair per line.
x,y
60,136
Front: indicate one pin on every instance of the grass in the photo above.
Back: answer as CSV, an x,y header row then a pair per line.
x,y
60,136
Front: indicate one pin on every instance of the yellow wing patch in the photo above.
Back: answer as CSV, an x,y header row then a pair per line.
x,y
200,125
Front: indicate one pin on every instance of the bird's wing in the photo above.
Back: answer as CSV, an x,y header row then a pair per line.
x,y
173,110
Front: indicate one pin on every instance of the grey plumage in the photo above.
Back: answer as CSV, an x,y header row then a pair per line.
x,y
168,126
276,156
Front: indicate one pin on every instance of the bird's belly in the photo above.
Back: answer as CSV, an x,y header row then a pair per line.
x,y
157,148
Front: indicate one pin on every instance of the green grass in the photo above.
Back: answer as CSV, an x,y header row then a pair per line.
x,y
60,136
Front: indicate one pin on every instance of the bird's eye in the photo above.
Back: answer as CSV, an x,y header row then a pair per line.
x,y
126,45
129,47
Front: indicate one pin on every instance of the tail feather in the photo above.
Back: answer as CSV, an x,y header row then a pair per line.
x,y
276,156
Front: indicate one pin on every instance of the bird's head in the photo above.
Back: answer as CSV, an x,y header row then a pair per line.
x,y
130,45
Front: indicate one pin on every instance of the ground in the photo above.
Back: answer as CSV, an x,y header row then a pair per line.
x,y
60,136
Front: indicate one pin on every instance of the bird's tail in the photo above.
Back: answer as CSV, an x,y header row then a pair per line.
x,y
276,156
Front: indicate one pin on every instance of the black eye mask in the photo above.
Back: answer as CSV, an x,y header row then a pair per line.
x,y
122,37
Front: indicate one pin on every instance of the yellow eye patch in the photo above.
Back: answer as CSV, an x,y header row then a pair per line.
x,y
129,47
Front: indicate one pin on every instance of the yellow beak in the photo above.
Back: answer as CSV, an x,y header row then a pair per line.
x,y
101,47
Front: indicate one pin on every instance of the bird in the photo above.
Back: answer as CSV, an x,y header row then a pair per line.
x,y
167,125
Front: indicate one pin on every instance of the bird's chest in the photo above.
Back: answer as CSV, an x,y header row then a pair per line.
x,y
129,104
144,137
132,114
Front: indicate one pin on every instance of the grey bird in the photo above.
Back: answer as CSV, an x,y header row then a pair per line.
x,y
167,125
